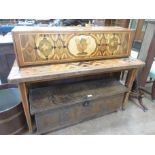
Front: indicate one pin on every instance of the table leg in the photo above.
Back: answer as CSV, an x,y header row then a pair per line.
x,y
129,82
23,92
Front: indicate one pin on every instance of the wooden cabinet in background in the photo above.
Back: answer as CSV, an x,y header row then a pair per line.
x,y
7,57
139,33
117,22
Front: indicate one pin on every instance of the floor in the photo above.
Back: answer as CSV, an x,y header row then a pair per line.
x,y
131,121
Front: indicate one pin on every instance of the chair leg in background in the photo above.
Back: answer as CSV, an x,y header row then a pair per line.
x,y
153,91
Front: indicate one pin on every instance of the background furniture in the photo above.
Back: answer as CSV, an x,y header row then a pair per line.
x,y
146,54
5,29
139,33
149,69
117,22
152,76
12,118
7,56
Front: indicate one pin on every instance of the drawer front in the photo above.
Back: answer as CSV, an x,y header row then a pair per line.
x,y
34,48
66,116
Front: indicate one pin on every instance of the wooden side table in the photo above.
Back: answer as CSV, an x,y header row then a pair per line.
x,y
24,76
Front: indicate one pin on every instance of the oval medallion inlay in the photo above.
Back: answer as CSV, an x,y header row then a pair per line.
x,y
82,45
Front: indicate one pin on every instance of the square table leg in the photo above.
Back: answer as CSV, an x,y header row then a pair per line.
x,y
23,92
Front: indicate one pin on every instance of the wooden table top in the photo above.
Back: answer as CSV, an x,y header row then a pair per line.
x,y
74,69
30,29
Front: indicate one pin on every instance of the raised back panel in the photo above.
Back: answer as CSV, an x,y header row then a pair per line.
x,y
36,46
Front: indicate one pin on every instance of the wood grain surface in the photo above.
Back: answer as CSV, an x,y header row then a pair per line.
x,y
35,46
66,70
61,105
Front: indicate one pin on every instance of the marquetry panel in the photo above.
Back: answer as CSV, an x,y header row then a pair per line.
x,y
42,47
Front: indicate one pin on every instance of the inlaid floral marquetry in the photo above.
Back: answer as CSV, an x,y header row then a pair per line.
x,y
35,46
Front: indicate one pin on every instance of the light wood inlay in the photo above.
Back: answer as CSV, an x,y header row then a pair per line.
x,y
59,71
35,46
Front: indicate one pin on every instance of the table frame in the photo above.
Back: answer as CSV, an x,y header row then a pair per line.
x,y
19,76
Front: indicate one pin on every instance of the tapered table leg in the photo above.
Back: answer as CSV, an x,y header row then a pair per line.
x,y
23,92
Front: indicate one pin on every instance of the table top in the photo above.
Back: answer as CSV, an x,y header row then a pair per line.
x,y
67,70
30,29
